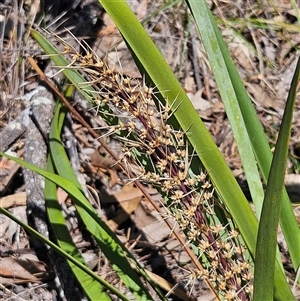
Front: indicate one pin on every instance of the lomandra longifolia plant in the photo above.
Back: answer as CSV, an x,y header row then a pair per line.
x,y
156,153
155,150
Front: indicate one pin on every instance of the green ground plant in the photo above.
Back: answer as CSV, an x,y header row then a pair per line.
x,y
162,133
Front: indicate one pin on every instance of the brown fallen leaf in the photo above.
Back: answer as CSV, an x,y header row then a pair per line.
x,y
263,98
5,164
21,270
169,287
17,199
123,213
107,30
11,274
109,26
102,162
62,195
128,198
25,262
100,158
127,193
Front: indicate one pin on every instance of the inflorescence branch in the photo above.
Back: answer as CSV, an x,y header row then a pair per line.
x,y
144,131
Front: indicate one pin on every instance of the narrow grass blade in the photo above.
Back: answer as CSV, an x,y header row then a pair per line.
x,y
72,75
64,168
91,288
229,98
165,81
259,142
60,251
107,240
254,128
125,272
268,225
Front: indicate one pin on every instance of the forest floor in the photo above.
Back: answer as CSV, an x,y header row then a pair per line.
x,y
263,39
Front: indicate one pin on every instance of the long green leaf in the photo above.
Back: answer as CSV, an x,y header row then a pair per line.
x,y
267,231
261,147
249,116
169,87
90,287
107,240
164,79
64,168
214,50
58,249
72,75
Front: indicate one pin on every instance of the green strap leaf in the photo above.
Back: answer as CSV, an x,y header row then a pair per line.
x,y
91,288
189,120
217,53
267,231
107,240
55,247
260,145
